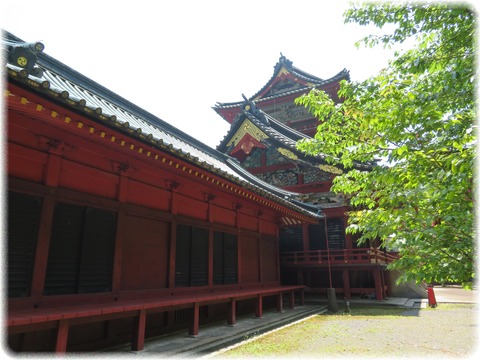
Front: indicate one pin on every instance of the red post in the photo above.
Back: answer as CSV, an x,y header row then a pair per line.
x,y
280,302
231,319
302,297
62,336
432,302
346,284
292,299
195,321
259,307
138,340
378,284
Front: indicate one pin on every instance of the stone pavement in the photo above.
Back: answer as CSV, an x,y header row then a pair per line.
x,y
219,335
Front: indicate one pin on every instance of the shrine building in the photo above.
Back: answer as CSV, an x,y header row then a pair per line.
x,y
120,226
264,131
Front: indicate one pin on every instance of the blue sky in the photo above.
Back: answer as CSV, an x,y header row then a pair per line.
x,y
176,59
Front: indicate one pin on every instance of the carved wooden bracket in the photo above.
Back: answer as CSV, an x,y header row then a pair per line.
x,y
209,197
54,146
121,168
172,185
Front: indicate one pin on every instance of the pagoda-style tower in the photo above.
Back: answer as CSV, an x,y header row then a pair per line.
x,y
264,131
277,96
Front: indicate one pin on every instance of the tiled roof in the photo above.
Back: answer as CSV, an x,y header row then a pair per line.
x,y
65,85
296,72
280,133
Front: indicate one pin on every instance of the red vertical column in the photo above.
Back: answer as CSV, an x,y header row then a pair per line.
x,y
53,169
138,340
346,284
118,250
43,244
302,297
378,284
306,237
231,312
195,321
62,336
173,252
259,306
292,299
280,302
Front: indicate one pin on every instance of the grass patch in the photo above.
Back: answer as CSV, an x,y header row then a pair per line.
x,y
306,335
375,331
363,310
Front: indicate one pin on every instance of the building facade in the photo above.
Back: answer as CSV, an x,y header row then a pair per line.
x,y
122,227
264,131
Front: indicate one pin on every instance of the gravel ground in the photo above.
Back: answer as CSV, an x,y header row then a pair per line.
x,y
450,330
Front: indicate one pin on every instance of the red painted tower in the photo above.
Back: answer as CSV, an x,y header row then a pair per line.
x,y
262,137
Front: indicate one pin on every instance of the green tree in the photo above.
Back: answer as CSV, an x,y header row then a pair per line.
x,y
415,123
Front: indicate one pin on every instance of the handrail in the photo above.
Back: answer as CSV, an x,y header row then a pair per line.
x,y
342,256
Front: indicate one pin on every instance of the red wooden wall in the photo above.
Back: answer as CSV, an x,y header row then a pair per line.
x,y
61,156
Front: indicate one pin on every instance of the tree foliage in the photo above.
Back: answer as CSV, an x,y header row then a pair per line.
x,y
415,122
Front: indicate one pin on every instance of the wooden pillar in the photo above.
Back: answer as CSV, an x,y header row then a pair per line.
x,y
118,249
53,169
378,284
292,300
348,237
62,336
260,259
195,320
280,302
240,241
210,256
122,191
388,283
231,312
306,237
173,233
346,284
259,306
138,340
43,244
172,256
384,283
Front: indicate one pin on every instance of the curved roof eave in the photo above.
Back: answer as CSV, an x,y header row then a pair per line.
x,y
342,75
99,103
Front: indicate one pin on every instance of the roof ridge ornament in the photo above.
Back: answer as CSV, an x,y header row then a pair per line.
x,y
24,55
252,108
285,62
